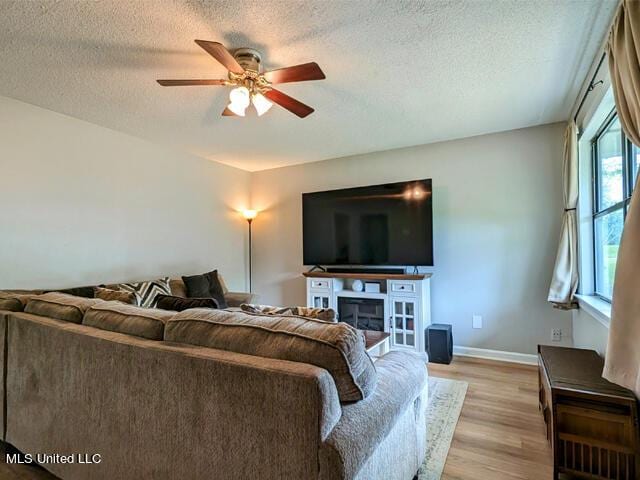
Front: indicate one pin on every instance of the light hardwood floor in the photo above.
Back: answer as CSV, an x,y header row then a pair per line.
x,y
500,434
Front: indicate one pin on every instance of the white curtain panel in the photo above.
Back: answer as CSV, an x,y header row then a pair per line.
x,y
622,363
564,281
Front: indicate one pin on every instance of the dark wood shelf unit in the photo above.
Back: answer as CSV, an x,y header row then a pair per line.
x,y
592,424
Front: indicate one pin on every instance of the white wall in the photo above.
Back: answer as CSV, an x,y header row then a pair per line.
x,y
497,213
81,204
588,332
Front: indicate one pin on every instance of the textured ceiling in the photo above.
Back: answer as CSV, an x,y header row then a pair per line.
x,y
399,73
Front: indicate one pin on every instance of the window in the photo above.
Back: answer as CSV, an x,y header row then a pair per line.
x,y
616,162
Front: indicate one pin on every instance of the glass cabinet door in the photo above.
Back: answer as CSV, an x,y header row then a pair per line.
x,y
319,300
403,318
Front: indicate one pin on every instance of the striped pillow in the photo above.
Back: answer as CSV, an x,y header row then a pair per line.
x,y
146,292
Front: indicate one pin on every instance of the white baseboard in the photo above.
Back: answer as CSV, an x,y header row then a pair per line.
x,y
513,357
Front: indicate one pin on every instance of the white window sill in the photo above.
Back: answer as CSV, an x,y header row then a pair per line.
x,y
596,307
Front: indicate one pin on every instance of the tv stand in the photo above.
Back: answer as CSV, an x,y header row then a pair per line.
x,y
406,300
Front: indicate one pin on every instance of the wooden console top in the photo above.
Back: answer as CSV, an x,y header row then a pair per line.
x,y
368,276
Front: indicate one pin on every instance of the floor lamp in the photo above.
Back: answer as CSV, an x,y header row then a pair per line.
x,y
249,215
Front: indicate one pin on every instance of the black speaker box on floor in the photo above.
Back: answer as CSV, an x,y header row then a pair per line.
x,y
439,341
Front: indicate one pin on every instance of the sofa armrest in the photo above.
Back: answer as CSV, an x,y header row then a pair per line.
x,y
235,299
401,390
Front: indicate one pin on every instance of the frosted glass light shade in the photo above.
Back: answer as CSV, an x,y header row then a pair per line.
x,y
240,96
261,103
237,108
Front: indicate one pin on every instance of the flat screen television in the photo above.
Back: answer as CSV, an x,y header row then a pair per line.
x,y
385,225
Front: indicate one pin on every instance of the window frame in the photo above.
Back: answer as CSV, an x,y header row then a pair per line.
x,y
627,188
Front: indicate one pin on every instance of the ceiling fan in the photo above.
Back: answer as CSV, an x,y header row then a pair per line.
x,y
251,85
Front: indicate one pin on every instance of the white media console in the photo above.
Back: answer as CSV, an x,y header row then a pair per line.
x,y
401,306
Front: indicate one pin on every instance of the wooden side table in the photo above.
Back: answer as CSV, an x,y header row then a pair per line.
x,y
376,343
592,424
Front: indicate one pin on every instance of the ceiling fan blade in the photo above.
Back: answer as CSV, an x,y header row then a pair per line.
x,y
220,53
184,83
298,73
228,113
291,104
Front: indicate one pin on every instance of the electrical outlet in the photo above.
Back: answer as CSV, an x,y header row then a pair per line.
x,y
477,321
556,334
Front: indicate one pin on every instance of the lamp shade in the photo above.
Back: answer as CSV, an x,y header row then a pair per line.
x,y
249,214
261,103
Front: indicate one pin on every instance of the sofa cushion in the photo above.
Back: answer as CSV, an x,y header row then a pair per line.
x,y
205,285
146,292
115,295
130,319
326,314
13,302
61,306
178,304
336,347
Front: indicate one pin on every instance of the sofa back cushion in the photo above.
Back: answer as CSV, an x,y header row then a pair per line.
x,y
60,306
336,347
13,302
130,319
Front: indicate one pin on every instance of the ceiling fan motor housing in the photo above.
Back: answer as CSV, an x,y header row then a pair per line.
x,y
248,58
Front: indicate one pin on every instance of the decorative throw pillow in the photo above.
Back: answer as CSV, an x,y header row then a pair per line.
x,y
85,292
117,295
326,314
146,292
178,304
206,285
265,309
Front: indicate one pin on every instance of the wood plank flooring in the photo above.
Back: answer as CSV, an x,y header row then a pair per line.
x,y
500,434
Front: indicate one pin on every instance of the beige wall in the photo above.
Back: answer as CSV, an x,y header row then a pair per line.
x,y
497,213
81,204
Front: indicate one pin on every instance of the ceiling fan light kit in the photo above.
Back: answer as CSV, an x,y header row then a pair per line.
x,y
251,85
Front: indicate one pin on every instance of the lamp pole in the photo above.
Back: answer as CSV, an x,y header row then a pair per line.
x,y
249,220
249,215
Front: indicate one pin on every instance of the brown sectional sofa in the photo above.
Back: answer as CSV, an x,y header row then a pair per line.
x,y
160,409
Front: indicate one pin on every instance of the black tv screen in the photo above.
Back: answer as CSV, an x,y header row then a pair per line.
x,y
387,224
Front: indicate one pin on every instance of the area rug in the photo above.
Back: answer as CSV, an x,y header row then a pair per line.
x,y
445,404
